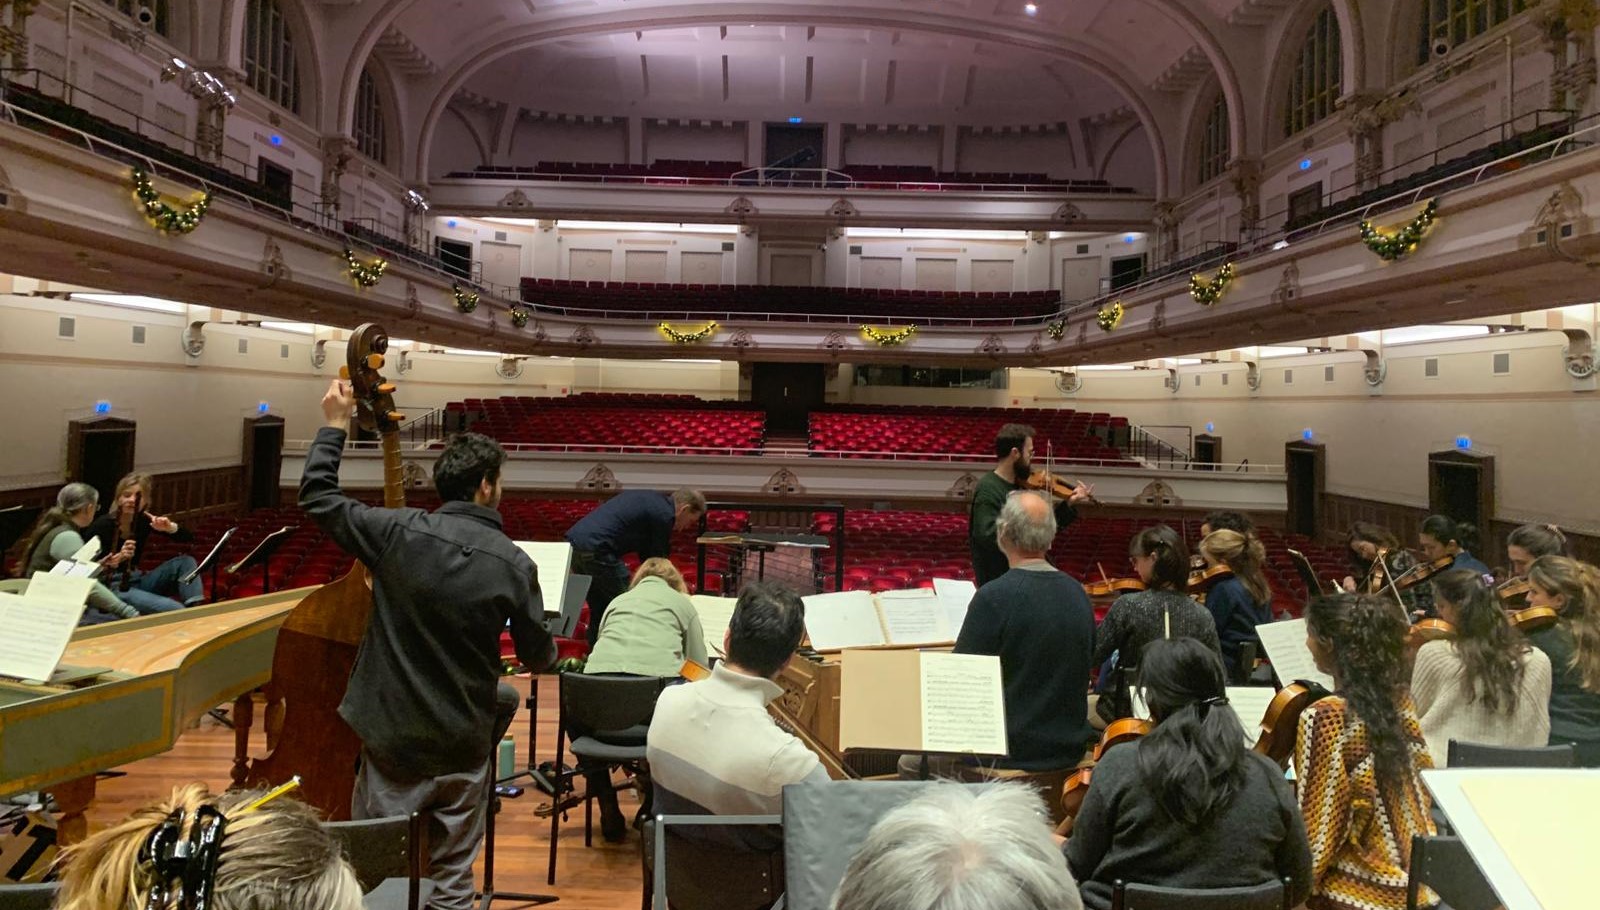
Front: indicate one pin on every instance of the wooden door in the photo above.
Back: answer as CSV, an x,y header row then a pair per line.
x,y
1306,466
263,461
100,452
788,392
1461,485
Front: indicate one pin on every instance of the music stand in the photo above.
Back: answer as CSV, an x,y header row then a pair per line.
x,y
1308,575
564,625
211,561
262,554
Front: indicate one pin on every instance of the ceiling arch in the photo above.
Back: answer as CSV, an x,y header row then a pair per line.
x,y
951,17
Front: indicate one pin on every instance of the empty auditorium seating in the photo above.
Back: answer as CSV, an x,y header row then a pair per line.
x,y
635,300
601,422
666,171
938,433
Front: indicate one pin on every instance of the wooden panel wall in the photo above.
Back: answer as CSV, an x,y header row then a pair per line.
x,y
1405,521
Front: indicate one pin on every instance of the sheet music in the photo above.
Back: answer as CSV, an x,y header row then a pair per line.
x,y
914,617
715,615
846,619
82,563
553,560
963,705
1285,644
1250,703
87,552
39,624
955,595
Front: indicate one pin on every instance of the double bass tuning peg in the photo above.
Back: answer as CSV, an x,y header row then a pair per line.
x,y
386,388
374,361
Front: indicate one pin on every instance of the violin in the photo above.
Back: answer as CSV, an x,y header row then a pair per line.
x,y
1427,630
1050,483
1533,619
1513,592
1121,731
1113,587
1423,571
1281,723
1201,580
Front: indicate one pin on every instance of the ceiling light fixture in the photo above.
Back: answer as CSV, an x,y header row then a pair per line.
x,y
1031,9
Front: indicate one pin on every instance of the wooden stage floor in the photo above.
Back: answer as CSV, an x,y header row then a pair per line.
x,y
602,877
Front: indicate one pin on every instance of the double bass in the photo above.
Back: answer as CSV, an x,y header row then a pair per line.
x,y
318,642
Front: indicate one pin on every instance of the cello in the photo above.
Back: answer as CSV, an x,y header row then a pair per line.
x,y
1281,723
319,640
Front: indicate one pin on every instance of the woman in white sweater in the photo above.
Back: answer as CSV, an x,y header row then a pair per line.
x,y
1487,685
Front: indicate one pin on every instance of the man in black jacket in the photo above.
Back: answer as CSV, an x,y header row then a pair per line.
x,y
423,695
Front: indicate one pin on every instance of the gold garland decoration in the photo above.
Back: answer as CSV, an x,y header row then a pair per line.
x,y
678,336
888,338
163,217
1056,329
1401,243
364,274
1207,293
519,316
466,301
1109,316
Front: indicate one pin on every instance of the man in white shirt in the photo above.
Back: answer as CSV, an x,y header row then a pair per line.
x,y
712,746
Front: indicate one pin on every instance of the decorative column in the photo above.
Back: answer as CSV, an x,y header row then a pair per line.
x,y
415,217
1165,216
14,36
1567,27
1245,176
1365,115
337,153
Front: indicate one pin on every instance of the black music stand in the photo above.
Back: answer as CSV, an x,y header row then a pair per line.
x,y
212,562
562,626
262,554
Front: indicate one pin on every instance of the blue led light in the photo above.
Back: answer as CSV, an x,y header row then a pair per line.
x,y
276,139
1305,164
1306,434
1463,442
261,408
1131,238
451,223
102,407
796,120
1210,427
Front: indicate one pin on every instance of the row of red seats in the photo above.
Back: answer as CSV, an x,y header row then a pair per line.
x,y
633,298
865,176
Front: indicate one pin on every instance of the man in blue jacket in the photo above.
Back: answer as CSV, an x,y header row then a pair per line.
x,y
634,521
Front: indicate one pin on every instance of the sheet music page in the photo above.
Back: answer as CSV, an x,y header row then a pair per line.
x,y
1250,703
73,569
955,595
553,560
846,619
715,615
914,617
963,705
87,552
1285,644
37,632
73,592
1549,847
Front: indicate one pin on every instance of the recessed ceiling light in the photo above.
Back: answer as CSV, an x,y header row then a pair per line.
x,y
1031,9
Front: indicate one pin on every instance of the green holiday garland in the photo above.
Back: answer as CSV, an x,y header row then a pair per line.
x,y
519,316
1056,329
163,217
679,336
364,274
1402,242
466,301
1109,316
888,338
1207,293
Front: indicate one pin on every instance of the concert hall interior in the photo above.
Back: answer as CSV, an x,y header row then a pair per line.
x,y
1309,283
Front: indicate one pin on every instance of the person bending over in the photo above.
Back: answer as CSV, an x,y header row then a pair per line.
x,y
640,522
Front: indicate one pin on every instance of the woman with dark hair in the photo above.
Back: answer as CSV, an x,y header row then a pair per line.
x,y
1241,601
1359,754
1162,610
1444,536
1188,805
1364,542
1530,542
1486,685
1572,589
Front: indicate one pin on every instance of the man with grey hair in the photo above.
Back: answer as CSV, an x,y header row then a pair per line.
x,y
1038,621
961,848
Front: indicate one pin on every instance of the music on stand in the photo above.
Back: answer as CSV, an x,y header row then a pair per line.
x,y
262,554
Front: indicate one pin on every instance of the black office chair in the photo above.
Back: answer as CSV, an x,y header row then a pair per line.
x,y
1479,755
711,875
603,718
1273,895
1443,864
389,856
28,897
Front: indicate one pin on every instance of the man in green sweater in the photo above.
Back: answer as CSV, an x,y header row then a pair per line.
x,y
1013,449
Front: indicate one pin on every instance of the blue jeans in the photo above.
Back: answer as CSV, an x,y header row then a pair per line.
x,y
151,592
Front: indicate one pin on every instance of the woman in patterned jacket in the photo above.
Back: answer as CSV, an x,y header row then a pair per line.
x,y
1359,756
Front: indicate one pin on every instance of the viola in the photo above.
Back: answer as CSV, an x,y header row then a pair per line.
x,y
1532,619
1202,579
1121,731
1047,482
1513,592
1282,721
1114,587
319,639
1427,630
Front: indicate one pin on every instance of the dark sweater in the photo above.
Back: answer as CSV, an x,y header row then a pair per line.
x,y
1236,614
633,521
1574,710
1123,833
105,528
988,496
1038,621
1137,619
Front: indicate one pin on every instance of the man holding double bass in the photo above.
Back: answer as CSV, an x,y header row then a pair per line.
x,y
424,695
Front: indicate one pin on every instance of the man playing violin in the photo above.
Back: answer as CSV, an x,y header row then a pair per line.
x,y
1013,449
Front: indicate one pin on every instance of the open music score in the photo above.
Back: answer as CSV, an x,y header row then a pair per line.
x,y
918,617
715,615
1285,644
39,623
922,701
81,564
1249,704
552,559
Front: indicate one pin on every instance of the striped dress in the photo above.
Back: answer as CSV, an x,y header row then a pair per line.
x,y
1360,833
